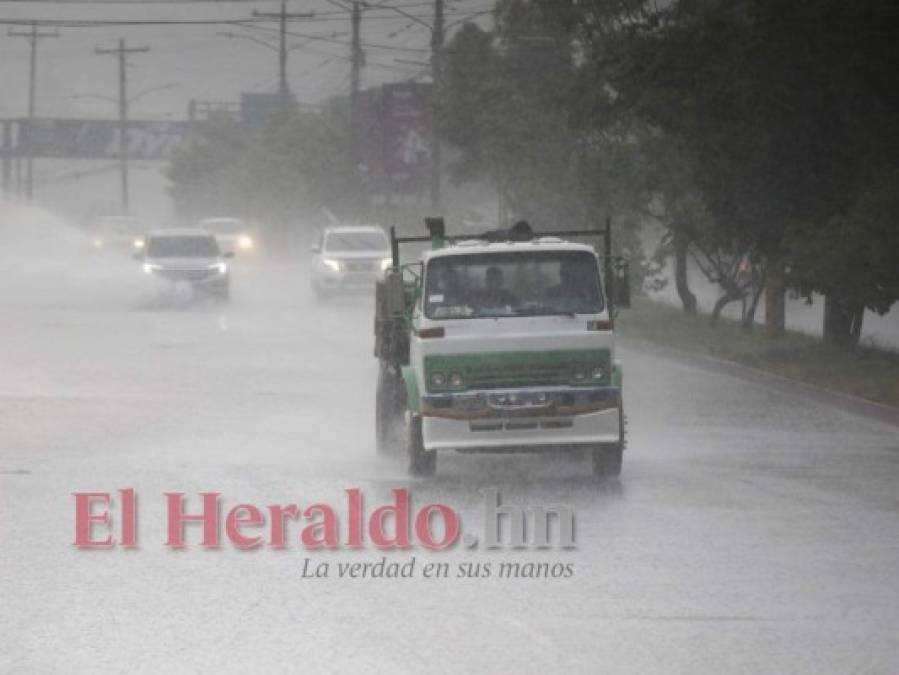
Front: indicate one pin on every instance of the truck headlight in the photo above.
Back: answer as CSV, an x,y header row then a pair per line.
x,y
220,266
244,242
438,379
456,381
579,375
597,373
386,264
149,268
331,264
138,244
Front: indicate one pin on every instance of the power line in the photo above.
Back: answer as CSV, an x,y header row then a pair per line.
x,y
93,23
309,18
370,45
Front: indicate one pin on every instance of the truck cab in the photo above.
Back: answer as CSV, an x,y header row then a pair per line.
x,y
503,345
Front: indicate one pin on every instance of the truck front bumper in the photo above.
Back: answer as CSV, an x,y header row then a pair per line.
x,y
524,420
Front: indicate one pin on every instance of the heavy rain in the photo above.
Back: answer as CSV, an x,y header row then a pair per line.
x,y
534,336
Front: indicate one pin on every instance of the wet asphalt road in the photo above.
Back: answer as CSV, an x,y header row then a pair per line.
x,y
752,530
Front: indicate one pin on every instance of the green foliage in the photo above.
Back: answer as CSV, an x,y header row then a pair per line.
x,y
853,256
520,112
785,109
286,170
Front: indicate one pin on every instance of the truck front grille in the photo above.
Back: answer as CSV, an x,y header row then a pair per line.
x,y
510,370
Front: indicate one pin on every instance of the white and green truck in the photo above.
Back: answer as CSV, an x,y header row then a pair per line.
x,y
500,343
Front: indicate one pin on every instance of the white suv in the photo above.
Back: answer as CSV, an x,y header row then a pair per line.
x,y
349,257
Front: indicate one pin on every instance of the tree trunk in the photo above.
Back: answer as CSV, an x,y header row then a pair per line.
x,y
842,325
775,308
758,288
729,296
681,245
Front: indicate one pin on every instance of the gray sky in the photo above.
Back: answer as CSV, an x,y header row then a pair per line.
x,y
204,65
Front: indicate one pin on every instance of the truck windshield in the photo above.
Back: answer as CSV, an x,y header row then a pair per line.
x,y
512,284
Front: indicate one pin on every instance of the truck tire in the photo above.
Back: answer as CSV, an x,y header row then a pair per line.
x,y
421,462
390,405
607,458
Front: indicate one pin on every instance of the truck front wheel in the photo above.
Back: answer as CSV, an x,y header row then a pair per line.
x,y
607,457
421,462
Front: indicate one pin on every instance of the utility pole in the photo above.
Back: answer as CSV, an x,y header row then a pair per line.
x,y
282,17
122,52
33,36
357,58
437,75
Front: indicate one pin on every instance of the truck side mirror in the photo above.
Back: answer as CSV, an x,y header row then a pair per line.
x,y
622,284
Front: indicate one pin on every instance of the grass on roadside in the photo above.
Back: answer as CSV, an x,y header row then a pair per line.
x,y
865,372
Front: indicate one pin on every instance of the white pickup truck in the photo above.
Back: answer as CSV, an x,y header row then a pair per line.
x,y
502,343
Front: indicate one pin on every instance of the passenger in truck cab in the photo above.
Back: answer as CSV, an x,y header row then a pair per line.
x,y
576,284
495,294
451,286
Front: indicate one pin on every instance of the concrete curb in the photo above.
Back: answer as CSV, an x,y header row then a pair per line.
x,y
853,404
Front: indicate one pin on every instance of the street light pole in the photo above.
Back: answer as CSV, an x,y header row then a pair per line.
x,y
282,17
33,36
437,74
122,52
356,62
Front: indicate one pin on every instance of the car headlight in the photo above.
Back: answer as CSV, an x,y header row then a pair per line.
x,y
98,243
456,381
220,266
149,268
138,244
331,264
438,379
245,242
386,264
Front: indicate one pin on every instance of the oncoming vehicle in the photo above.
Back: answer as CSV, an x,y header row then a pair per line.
x,y
349,257
120,234
500,344
187,256
232,234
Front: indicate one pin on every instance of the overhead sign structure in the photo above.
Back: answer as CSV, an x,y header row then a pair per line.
x,y
97,139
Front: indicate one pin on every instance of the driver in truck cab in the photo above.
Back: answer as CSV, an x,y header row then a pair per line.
x,y
495,294
574,284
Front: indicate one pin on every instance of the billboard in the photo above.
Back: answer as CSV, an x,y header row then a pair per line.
x,y
395,137
406,129
97,139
